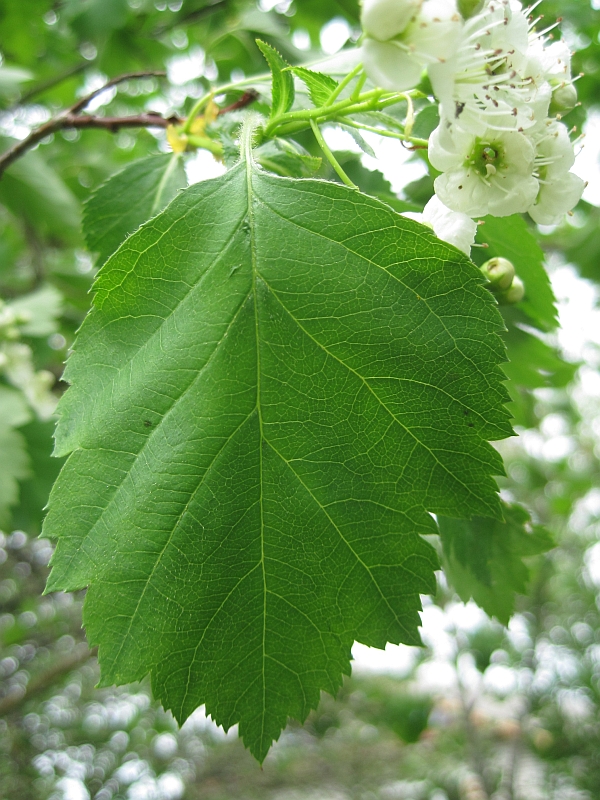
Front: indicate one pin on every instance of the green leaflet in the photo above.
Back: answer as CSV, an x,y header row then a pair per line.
x,y
283,84
127,199
319,86
510,237
279,380
483,558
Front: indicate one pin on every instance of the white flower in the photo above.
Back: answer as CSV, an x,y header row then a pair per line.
x,y
556,198
487,174
404,36
450,226
486,84
17,363
560,190
384,19
553,65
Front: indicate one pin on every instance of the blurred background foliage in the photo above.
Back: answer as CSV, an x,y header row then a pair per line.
x,y
482,711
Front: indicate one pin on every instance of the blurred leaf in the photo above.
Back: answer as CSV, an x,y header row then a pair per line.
x,y
512,238
581,245
388,704
128,199
533,363
483,641
14,467
14,409
42,307
11,79
35,488
483,558
34,192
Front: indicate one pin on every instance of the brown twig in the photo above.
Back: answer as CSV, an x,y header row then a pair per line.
x,y
112,124
71,119
248,97
128,76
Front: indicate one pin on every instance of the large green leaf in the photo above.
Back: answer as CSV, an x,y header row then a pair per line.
x,y
126,200
483,558
279,380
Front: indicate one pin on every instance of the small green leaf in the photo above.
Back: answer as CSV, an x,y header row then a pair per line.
x,y
359,139
320,87
282,92
279,381
426,121
129,198
289,160
483,558
511,238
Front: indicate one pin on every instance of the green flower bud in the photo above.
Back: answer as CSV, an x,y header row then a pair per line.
x,y
513,295
500,273
468,8
564,99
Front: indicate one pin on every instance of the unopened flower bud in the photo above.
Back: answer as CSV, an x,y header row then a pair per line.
x,y
468,8
513,295
500,273
564,99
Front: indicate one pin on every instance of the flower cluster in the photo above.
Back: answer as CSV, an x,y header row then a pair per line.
x,y
501,86
16,364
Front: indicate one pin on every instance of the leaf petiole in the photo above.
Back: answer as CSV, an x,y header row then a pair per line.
x,y
330,157
391,134
343,83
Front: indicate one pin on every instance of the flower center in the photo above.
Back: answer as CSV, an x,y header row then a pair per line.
x,y
486,157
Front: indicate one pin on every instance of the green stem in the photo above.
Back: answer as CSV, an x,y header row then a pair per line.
x,y
228,87
392,134
374,100
216,148
359,85
342,84
330,157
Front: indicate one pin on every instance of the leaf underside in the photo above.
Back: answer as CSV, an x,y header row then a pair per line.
x,y
279,381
